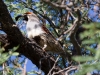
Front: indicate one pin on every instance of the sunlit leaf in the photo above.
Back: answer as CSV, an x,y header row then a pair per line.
x,y
83,58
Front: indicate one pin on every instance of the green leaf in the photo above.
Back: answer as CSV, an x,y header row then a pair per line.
x,y
86,68
10,0
15,48
15,53
97,56
88,41
91,49
83,58
4,57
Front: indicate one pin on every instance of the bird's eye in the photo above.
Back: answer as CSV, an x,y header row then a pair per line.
x,y
25,18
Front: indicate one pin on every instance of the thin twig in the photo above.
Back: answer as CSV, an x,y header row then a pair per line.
x,y
3,66
68,69
24,69
73,68
56,5
53,65
70,30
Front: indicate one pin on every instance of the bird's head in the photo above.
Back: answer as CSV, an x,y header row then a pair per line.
x,y
28,16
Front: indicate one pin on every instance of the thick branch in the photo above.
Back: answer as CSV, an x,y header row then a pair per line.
x,y
73,33
26,47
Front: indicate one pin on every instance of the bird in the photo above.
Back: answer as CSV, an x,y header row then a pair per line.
x,y
42,36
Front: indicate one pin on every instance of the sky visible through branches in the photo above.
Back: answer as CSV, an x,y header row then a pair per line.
x,y
57,15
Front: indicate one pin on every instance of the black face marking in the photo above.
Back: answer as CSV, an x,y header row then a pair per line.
x,y
25,18
17,17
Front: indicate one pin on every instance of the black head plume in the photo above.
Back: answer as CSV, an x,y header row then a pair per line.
x,y
17,17
22,16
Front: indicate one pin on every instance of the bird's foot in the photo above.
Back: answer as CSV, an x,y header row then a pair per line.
x,y
44,47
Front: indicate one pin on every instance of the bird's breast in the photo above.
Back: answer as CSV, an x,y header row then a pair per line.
x,y
34,32
34,29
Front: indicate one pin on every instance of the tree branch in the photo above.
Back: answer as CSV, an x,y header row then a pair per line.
x,y
62,6
75,43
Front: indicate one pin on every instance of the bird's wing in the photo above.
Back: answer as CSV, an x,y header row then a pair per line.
x,y
51,41
47,31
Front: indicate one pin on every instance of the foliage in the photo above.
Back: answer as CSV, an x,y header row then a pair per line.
x,y
62,22
6,69
91,59
5,56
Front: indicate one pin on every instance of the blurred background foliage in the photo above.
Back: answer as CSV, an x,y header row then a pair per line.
x,y
58,22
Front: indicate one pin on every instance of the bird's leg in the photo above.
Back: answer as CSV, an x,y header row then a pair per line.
x,y
44,42
44,47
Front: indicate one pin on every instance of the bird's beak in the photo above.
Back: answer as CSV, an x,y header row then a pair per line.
x,y
19,16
